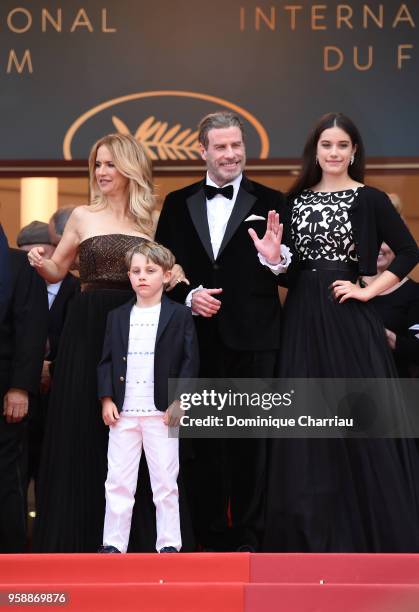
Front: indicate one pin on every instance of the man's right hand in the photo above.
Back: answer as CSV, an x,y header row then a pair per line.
x,y
204,304
15,405
270,245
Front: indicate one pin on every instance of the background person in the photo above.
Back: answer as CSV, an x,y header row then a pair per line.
x,y
398,308
23,329
60,294
4,272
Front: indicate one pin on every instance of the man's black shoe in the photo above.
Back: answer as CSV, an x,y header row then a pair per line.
x,y
108,549
168,549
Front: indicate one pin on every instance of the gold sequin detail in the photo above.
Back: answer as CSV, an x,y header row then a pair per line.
x,y
102,258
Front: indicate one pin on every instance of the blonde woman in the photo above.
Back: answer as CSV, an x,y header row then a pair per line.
x,y
70,504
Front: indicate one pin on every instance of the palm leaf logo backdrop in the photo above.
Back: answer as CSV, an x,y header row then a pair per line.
x,y
161,141
165,140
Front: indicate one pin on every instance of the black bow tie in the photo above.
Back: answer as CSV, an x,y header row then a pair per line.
x,y
211,191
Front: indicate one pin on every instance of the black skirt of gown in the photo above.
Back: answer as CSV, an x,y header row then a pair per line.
x,y
71,492
338,495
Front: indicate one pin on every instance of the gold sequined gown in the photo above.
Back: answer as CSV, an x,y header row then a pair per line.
x,y
71,499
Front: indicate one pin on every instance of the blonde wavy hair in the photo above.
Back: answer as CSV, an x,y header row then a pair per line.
x,y
132,162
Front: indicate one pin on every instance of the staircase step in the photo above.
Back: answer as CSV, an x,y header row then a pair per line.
x,y
115,597
130,568
336,568
331,598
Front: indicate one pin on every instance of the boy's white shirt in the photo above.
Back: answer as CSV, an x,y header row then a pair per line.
x,y
139,379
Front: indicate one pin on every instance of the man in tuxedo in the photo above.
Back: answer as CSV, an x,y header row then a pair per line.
x,y
234,296
23,329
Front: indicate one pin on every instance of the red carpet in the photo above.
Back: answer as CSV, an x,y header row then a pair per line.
x,y
131,568
331,598
336,568
219,582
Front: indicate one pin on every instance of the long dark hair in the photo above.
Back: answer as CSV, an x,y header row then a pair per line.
x,y
311,172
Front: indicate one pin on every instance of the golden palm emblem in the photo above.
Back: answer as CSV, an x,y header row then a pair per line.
x,y
162,142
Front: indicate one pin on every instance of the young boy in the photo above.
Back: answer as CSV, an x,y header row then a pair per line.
x,y
147,341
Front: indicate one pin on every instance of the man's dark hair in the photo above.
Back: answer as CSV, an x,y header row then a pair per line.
x,y
219,120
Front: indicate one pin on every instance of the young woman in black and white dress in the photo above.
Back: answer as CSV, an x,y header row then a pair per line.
x,y
337,495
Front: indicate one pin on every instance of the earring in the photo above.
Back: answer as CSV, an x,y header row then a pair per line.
x,y
317,161
352,159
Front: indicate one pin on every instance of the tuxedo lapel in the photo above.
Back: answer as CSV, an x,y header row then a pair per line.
x,y
197,206
242,206
167,308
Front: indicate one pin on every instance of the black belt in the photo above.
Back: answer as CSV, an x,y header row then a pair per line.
x,y
324,264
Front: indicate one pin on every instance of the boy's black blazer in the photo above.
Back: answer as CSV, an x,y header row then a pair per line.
x,y
176,352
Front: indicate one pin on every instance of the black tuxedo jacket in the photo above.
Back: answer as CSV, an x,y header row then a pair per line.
x,y
175,356
58,312
249,316
23,329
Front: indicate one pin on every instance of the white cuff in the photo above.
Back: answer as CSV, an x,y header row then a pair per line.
x,y
188,300
282,266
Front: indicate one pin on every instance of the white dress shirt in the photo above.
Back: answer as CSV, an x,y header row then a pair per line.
x,y
219,210
53,289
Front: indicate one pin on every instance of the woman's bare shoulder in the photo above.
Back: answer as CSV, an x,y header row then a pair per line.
x,y
84,216
78,223
81,211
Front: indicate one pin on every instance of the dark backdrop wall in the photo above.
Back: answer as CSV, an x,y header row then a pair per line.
x,y
72,71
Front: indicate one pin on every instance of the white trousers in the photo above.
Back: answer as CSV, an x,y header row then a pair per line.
x,y
126,440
